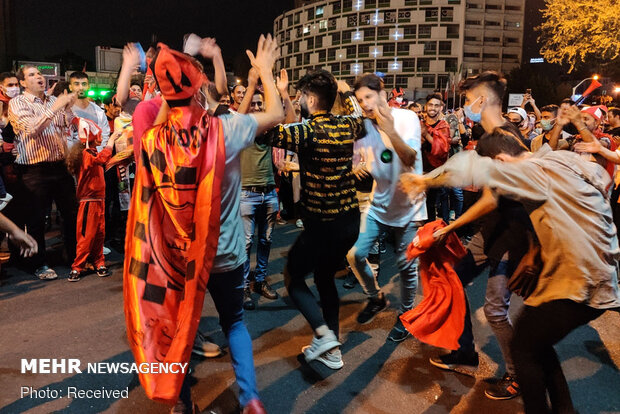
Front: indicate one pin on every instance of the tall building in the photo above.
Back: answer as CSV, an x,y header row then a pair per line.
x,y
416,44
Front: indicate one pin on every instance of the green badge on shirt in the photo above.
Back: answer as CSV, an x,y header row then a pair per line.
x,y
386,156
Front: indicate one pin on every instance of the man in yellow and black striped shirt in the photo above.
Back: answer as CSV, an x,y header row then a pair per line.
x,y
324,144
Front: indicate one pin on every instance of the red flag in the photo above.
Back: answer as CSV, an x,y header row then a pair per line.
x,y
594,85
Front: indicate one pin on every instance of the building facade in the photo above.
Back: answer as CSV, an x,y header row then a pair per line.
x,y
417,44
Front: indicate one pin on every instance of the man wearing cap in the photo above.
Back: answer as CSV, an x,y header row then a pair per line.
x,y
518,117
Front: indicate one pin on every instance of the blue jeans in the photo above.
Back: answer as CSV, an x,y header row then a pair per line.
x,y
258,210
226,290
358,259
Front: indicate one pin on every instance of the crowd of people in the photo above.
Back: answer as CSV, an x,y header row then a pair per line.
x,y
190,170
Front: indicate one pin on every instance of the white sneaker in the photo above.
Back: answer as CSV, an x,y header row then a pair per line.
x,y
299,224
331,359
106,250
320,345
5,200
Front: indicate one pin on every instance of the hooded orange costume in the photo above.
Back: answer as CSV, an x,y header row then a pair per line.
x,y
90,231
173,226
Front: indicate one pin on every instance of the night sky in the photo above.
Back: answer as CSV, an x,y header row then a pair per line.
x,y
50,28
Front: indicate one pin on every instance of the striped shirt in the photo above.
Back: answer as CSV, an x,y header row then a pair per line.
x,y
40,132
324,144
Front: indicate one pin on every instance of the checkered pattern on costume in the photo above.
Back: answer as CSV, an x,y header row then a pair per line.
x,y
172,234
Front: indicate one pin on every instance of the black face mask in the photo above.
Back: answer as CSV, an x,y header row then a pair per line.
x,y
516,124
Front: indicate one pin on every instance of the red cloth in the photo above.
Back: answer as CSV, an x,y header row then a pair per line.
x,y
441,143
90,235
439,319
173,228
91,182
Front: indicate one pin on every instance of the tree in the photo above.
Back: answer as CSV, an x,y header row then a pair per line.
x,y
579,31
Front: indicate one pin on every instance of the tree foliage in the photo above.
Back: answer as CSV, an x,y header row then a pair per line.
x,y
576,31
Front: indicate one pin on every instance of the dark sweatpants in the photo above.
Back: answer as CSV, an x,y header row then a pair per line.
x,y
320,248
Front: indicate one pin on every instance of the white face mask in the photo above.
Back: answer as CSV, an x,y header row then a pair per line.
x,y
399,99
12,91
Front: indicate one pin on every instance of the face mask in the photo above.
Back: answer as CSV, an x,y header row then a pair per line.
x,y
399,99
547,124
474,116
12,91
516,124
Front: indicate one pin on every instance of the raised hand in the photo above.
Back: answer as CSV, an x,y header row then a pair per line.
x,y
253,77
282,82
267,52
131,56
209,49
383,116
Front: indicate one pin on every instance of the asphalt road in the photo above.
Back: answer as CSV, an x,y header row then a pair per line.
x,y
85,320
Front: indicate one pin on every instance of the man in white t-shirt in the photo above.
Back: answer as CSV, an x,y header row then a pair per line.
x,y
84,108
390,148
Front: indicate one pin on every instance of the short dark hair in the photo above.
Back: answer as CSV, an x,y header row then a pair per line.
x,y
500,142
369,80
109,99
567,101
322,84
614,112
435,95
6,75
550,108
494,81
20,72
78,75
60,87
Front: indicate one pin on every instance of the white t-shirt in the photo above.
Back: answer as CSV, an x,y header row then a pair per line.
x,y
390,205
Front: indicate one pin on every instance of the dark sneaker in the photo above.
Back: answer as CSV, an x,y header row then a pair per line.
x,y
457,361
263,289
204,347
398,332
248,302
103,271
505,389
74,276
374,306
350,281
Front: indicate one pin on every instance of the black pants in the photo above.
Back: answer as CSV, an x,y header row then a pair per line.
x,y
537,366
320,248
44,182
